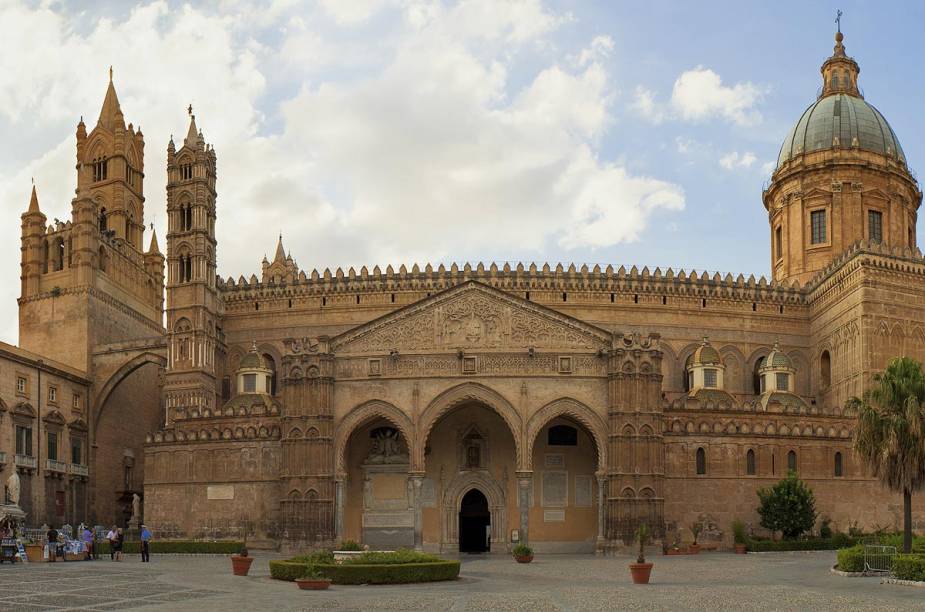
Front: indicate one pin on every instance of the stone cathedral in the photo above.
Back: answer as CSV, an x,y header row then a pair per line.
x,y
465,408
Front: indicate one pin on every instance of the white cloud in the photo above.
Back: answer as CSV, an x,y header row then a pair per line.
x,y
734,160
346,12
433,151
700,94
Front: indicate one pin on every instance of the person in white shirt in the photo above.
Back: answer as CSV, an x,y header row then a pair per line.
x,y
111,538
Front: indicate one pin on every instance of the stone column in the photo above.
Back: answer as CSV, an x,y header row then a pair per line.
x,y
601,509
524,483
339,502
417,484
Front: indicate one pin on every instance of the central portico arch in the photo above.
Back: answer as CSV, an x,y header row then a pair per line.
x,y
452,501
466,393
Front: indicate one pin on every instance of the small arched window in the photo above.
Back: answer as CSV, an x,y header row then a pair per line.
x,y
750,462
792,461
825,369
104,222
271,379
839,468
701,461
46,250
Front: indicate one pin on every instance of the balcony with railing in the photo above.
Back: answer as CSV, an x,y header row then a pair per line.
x,y
75,469
25,461
55,466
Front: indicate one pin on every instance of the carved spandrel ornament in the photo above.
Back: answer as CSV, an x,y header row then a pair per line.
x,y
387,448
302,345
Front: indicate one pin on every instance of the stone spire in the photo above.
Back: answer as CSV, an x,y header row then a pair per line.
x,y
840,72
111,113
280,252
34,202
153,248
192,135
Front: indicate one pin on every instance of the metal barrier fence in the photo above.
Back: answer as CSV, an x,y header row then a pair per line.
x,y
878,558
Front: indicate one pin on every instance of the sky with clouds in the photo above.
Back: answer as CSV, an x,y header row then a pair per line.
x,y
401,131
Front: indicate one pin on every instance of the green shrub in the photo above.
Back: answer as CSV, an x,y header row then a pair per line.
x,y
353,573
738,532
398,557
177,547
896,539
785,545
289,570
350,545
909,567
843,540
522,550
851,559
320,556
788,507
825,528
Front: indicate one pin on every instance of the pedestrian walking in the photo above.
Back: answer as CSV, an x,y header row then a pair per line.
x,y
111,538
145,544
119,540
51,537
87,538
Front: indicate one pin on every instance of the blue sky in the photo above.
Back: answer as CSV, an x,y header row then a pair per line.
x,y
402,131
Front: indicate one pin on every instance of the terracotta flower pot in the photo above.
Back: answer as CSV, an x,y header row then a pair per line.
x,y
524,558
241,565
640,572
313,584
741,549
694,548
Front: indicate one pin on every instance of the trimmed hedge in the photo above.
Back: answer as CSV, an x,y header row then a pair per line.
x,y
397,557
353,573
851,559
289,570
909,567
177,547
812,544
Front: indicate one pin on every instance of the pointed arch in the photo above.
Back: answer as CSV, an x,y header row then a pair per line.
x,y
572,408
361,415
461,394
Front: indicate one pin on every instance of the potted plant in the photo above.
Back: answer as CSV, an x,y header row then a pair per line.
x,y
313,580
640,571
522,553
241,563
696,528
738,534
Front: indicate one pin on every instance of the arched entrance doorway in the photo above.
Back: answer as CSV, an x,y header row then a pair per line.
x,y
474,523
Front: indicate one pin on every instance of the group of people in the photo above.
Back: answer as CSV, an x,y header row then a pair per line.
x,y
115,537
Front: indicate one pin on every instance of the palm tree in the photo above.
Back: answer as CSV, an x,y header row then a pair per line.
x,y
890,434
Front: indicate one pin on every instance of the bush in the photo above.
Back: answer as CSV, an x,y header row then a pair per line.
x,y
851,559
522,550
315,558
177,547
843,540
398,557
289,570
350,545
909,567
738,532
785,545
825,529
384,573
788,507
896,539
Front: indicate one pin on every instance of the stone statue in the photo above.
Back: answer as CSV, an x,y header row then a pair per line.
x,y
13,488
136,507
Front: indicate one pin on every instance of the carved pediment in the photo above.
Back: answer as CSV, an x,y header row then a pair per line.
x,y
472,316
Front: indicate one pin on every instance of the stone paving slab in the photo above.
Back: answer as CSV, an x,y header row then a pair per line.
x,y
716,581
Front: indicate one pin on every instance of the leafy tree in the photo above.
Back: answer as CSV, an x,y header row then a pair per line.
x,y
789,507
890,434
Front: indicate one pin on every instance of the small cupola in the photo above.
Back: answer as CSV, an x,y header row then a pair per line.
x,y
704,368
840,72
254,376
776,373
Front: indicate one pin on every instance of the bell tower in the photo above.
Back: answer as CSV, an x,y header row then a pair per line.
x,y
194,308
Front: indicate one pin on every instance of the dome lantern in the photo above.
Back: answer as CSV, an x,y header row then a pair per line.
x,y
253,374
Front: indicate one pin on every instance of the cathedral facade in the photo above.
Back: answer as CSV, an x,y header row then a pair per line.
x,y
466,408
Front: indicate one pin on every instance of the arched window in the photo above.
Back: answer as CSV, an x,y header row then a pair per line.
x,y
104,259
750,462
271,364
70,252
59,253
562,435
792,461
758,379
104,223
825,369
839,468
45,257
701,461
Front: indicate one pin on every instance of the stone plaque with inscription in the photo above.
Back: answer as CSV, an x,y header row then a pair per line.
x,y
220,492
583,491
555,489
553,516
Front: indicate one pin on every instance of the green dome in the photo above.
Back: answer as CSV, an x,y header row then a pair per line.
x,y
841,120
253,361
777,359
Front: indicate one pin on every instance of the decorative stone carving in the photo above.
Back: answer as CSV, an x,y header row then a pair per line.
x,y
386,447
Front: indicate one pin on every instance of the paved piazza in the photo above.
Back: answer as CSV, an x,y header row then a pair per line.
x,y
780,581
